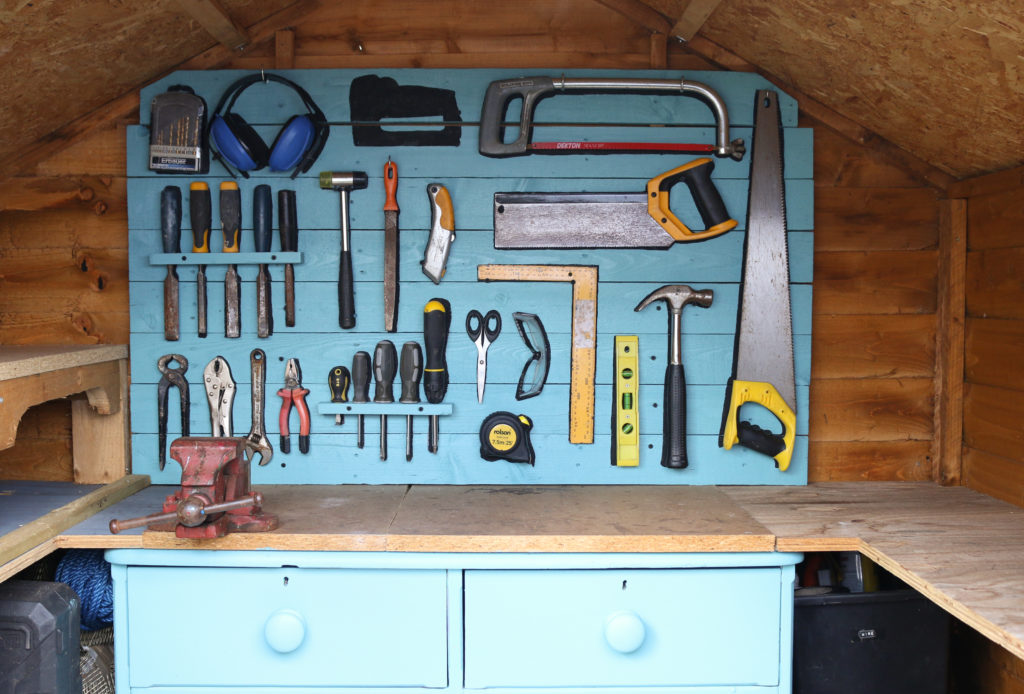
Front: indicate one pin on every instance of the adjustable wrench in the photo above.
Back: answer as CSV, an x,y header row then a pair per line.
x,y
256,441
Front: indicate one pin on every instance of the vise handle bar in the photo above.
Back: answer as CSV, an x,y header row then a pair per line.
x,y
533,89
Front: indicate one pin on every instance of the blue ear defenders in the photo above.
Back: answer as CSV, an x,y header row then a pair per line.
x,y
296,146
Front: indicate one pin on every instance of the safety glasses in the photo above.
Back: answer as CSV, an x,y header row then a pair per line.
x,y
535,371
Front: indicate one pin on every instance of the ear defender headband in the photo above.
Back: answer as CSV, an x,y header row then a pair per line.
x,y
297,145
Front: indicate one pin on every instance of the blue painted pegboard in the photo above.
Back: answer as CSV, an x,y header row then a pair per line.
x,y
626,276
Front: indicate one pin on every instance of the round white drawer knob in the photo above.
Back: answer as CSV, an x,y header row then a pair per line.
x,y
624,631
285,630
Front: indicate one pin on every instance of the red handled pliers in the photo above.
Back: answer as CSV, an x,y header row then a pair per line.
x,y
294,393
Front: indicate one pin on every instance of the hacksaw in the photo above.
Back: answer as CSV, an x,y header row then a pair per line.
x,y
583,355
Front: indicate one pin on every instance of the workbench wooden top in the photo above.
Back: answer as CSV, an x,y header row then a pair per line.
x,y
962,549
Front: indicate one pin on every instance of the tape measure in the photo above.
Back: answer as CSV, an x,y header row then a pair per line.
x,y
506,436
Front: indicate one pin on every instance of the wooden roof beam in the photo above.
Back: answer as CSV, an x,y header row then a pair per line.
x,y
693,17
641,14
218,23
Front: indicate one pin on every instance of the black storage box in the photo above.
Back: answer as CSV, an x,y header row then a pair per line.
x,y
39,638
888,642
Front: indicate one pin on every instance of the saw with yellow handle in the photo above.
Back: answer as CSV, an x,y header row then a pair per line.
x,y
763,373
612,220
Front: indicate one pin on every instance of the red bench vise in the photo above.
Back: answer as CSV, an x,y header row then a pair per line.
x,y
215,496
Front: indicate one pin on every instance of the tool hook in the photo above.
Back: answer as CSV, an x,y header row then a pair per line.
x,y
172,377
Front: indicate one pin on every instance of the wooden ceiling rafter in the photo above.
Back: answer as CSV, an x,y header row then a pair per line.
x,y
692,18
217,22
126,106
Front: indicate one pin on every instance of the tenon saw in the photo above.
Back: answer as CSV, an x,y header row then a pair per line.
x,y
611,220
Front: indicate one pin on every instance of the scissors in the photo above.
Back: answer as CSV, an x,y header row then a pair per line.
x,y
482,336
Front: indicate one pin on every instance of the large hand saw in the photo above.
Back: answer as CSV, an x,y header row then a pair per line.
x,y
762,370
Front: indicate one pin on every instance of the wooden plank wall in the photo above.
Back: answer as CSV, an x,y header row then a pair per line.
x,y
63,266
994,336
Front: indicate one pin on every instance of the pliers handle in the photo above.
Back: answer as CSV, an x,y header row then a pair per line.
x,y
293,394
172,377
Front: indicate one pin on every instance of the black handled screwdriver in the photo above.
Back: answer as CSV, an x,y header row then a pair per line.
x,y
411,370
199,214
262,225
385,365
360,389
338,380
437,319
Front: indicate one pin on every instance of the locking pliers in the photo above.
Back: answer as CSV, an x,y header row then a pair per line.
x,y
220,391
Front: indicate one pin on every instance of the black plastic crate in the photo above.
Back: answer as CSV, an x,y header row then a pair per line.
x,y
888,642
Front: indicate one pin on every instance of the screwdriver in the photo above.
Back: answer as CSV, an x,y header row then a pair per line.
x,y
437,319
360,388
199,213
338,381
411,370
262,227
385,364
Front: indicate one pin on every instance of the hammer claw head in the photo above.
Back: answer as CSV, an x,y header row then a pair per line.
x,y
677,296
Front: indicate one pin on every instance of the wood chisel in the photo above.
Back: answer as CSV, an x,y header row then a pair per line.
x,y
583,356
611,220
199,215
231,224
763,370
390,246
288,225
170,236
442,232
262,226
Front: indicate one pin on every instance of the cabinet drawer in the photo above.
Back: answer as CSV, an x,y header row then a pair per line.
x,y
286,627
669,627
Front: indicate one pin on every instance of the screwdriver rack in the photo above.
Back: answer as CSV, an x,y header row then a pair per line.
x,y
626,276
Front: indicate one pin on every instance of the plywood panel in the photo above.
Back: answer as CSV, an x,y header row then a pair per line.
x,y
913,72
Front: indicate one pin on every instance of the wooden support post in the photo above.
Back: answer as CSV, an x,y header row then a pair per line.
x,y
659,51
101,445
947,449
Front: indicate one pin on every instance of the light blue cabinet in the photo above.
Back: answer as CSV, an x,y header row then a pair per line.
x,y
273,621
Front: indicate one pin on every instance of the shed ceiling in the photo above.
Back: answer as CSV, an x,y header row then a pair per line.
x,y
942,79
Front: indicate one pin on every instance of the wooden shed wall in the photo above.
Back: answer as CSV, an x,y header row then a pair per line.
x,y
63,232
994,336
